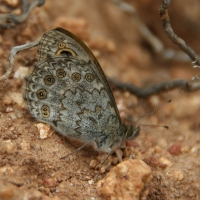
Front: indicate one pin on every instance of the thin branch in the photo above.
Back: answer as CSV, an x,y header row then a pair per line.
x,y
13,52
154,42
172,36
190,86
9,20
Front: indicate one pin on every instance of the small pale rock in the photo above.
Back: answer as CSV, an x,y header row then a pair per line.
x,y
165,161
126,180
158,149
178,175
49,182
9,109
90,182
6,170
21,72
93,163
25,145
18,99
8,147
44,130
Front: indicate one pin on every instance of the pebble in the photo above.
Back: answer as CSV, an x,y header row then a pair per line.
x,y
49,182
126,180
175,149
44,130
9,109
93,163
8,147
165,161
21,72
178,175
17,97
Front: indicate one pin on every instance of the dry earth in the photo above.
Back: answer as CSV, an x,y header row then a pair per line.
x,y
30,167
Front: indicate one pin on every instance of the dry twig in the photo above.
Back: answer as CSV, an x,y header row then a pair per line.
x,y
13,52
9,20
154,42
173,37
186,86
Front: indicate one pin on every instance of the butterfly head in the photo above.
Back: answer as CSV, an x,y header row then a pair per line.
x,y
132,132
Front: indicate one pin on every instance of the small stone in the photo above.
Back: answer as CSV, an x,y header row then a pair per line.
x,y
6,170
165,161
178,175
93,164
49,182
21,72
158,149
9,109
90,182
175,149
126,180
44,130
8,147
154,162
18,99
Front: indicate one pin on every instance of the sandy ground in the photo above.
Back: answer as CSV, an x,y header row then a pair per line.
x,y
30,167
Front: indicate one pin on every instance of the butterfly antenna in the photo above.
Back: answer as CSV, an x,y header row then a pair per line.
x,y
166,127
153,112
73,152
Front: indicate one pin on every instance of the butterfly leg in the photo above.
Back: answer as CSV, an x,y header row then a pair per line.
x,y
95,179
62,157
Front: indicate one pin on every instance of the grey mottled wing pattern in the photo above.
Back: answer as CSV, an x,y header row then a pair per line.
x,y
71,92
48,48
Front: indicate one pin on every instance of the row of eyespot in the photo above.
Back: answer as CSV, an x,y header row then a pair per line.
x,y
49,79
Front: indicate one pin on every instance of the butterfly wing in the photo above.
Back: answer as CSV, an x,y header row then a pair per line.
x,y
48,47
68,90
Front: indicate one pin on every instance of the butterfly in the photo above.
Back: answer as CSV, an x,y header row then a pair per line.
x,y
68,90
